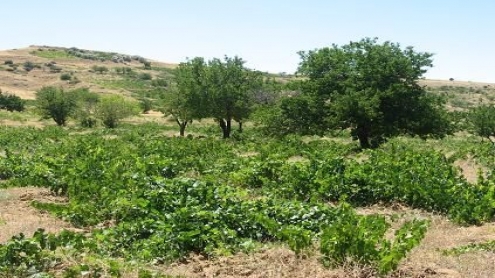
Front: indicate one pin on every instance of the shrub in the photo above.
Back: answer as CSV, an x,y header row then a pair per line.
x,y
362,240
147,65
86,107
160,82
145,76
100,69
11,102
28,66
65,76
146,105
53,67
112,109
8,62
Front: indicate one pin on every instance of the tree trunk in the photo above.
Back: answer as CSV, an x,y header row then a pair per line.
x,y
226,126
182,127
364,137
240,126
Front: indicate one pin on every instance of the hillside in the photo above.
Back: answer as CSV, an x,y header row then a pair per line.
x,y
46,65
126,74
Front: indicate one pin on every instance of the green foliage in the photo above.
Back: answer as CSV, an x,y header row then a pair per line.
x,y
112,109
482,119
187,100
372,88
20,255
86,107
169,197
472,247
159,82
52,53
8,62
220,89
145,76
99,69
28,66
55,103
295,114
361,240
65,76
146,105
11,102
125,71
230,89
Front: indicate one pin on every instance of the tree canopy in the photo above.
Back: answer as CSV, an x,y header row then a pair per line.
x,y
482,119
231,89
220,89
55,103
372,89
187,99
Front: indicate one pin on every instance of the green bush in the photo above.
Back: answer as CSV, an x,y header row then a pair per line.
x,y
8,62
65,76
145,76
146,105
362,240
112,109
100,69
28,66
11,102
160,82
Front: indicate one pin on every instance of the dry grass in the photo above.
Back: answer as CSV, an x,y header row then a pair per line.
x,y
439,83
25,84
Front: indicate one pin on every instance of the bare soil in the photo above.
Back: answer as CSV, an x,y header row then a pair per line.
x,y
17,215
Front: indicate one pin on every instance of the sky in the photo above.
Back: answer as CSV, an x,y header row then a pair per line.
x,y
267,34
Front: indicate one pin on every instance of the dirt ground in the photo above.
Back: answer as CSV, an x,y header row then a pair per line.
x,y
17,215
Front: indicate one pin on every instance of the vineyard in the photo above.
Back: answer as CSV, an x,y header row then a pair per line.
x,y
113,165
138,199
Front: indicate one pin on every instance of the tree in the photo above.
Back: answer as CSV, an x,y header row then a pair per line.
x,y
230,91
372,89
187,98
482,120
86,106
55,103
113,108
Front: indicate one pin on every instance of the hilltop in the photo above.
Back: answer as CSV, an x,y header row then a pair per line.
x,y
25,70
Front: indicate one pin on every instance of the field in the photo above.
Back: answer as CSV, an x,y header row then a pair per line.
x,y
140,201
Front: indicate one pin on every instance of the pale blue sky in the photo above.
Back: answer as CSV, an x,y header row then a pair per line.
x,y
267,34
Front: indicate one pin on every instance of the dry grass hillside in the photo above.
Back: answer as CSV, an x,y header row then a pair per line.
x,y
50,63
